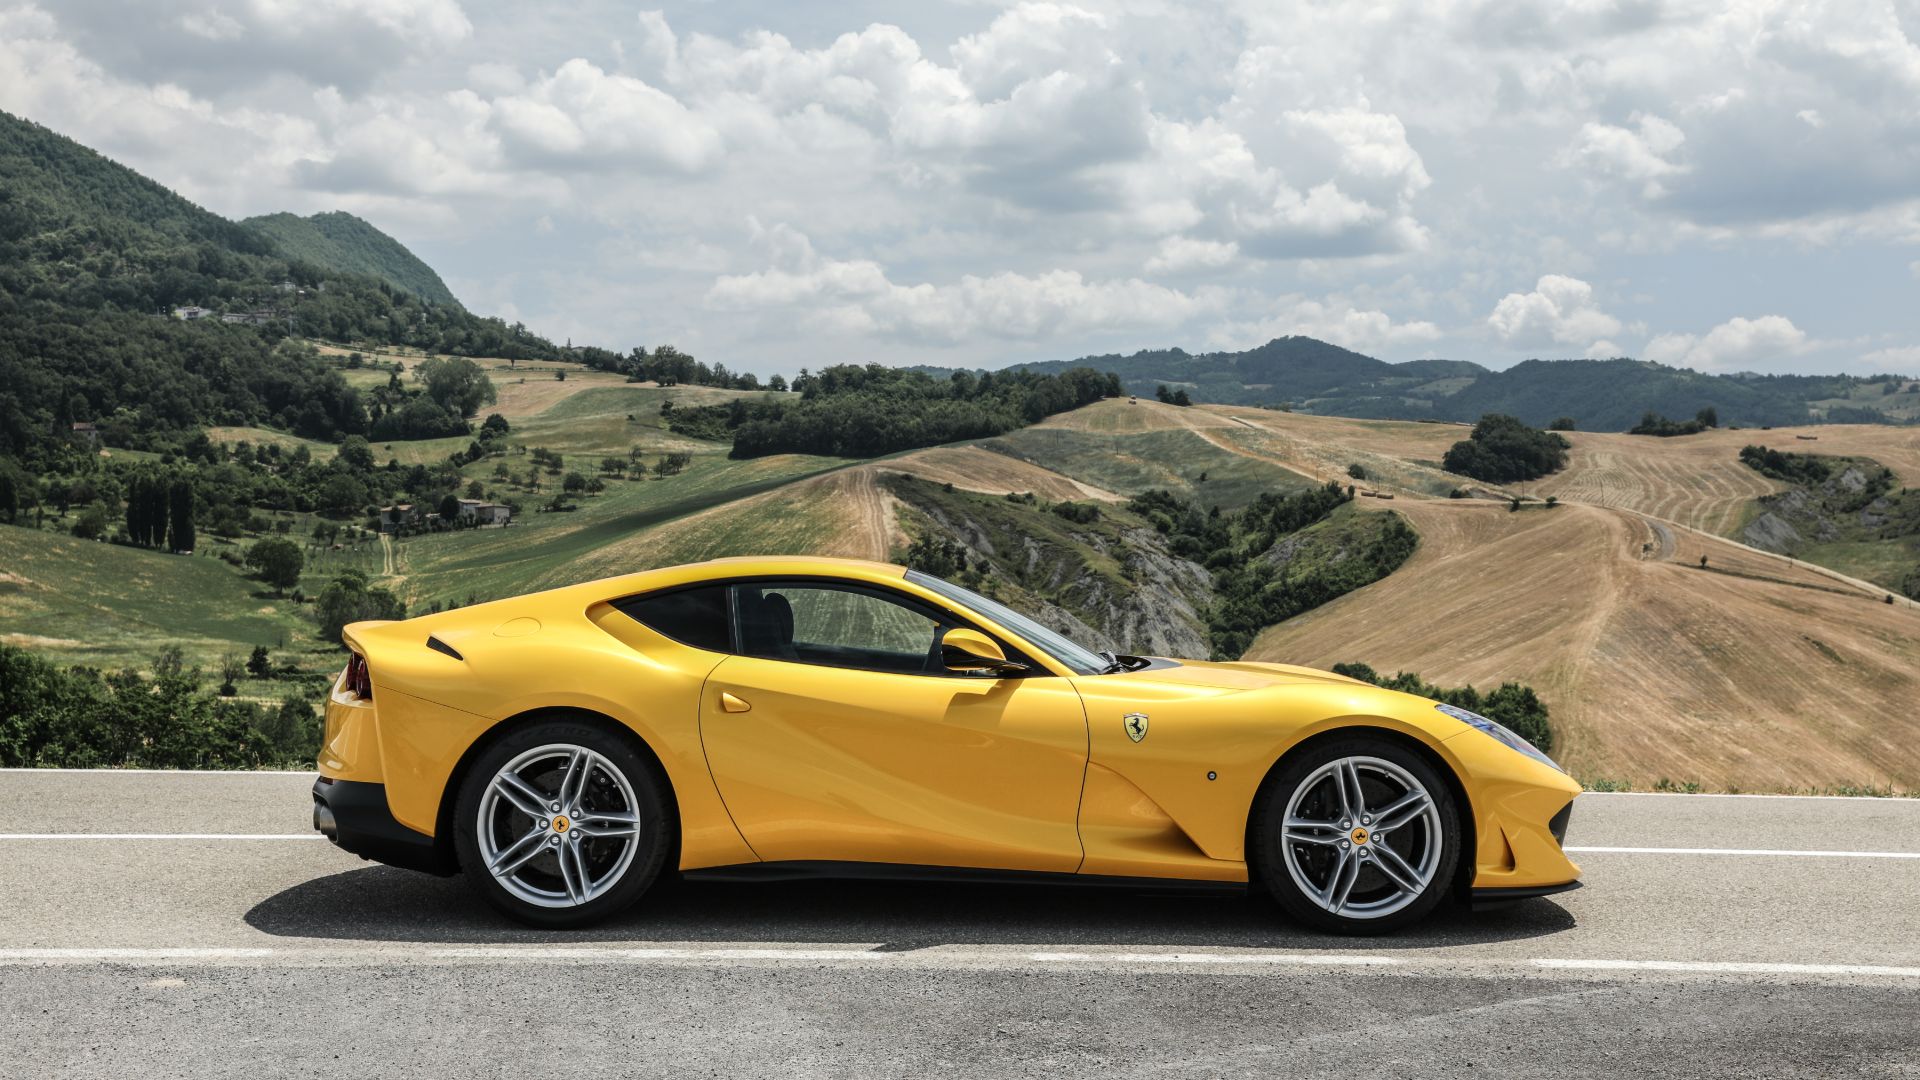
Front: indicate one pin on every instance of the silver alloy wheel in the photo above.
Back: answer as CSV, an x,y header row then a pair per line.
x,y
1361,837
558,825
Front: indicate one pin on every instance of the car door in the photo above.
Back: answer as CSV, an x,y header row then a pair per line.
x,y
834,734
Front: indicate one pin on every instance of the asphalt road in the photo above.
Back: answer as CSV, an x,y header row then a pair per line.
x,y
192,930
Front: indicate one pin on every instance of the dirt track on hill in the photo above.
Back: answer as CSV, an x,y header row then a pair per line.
x,y
1751,672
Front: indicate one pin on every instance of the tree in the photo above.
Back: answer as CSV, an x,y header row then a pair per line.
x,y
348,599
92,523
1564,423
356,454
449,509
1180,397
278,561
777,383
341,496
1503,450
180,515
1164,394
292,730
456,384
9,496
574,483
230,671
1708,417
259,664
935,555
495,427
1357,471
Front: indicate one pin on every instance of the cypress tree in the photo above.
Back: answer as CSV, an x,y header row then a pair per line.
x,y
180,515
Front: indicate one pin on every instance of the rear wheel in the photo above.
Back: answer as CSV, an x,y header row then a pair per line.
x,y
562,824
1357,835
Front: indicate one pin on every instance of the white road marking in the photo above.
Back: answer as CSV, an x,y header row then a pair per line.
x,y
1315,959
1728,967
1575,850
938,957
170,772
159,836
1743,851
1739,795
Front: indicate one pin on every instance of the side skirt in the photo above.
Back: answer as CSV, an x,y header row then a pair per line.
x,y
960,875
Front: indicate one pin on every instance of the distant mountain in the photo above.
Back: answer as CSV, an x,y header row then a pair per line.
x,y
1600,395
339,241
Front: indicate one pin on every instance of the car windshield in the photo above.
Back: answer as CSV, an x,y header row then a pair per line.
x,y
1082,660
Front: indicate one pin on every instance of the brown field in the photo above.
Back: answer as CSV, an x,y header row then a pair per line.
x,y
976,468
1698,479
1399,456
1752,673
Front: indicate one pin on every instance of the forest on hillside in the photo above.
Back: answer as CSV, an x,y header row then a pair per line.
x,y
849,410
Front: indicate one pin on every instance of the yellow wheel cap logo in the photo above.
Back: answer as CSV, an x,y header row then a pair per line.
x,y
1359,836
561,824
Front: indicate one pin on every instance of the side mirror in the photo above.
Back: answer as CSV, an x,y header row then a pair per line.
x,y
962,649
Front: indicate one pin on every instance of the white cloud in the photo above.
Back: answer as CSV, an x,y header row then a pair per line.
x,y
209,45
856,297
1639,154
1333,319
1559,311
583,116
1737,342
1178,254
1903,359
1385,174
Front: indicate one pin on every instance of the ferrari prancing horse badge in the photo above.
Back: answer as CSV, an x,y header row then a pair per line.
x,y
1136,725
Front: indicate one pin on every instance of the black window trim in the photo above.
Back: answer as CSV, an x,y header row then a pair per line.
x,y
620,604
945,617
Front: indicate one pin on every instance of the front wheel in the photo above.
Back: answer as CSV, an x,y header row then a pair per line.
x,y
1358,835
561,824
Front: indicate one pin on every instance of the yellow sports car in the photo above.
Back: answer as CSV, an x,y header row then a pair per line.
x,y
779,716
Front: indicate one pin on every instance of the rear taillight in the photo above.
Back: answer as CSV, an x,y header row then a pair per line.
x,y
359,679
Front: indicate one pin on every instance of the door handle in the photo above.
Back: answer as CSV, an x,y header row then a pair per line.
x,y
729,703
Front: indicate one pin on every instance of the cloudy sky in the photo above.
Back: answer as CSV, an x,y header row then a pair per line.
x,y
1726,186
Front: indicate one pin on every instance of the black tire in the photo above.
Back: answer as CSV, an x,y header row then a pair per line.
x,y
1382,766
651,804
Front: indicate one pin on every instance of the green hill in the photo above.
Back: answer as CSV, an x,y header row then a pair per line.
x,y
100,267
1601,395
339,241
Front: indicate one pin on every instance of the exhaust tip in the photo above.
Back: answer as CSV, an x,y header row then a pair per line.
x,y
323,822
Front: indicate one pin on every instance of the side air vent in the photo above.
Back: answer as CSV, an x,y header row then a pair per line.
x,y
439,646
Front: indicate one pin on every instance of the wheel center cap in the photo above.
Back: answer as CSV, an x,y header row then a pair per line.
x,y
561,824
1359,836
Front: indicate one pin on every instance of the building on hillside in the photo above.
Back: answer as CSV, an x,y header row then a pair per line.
x,y
248,318
85,432
191,312
398,516
484,513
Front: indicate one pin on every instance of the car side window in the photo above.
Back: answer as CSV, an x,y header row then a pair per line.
x,y
836,627
696,616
